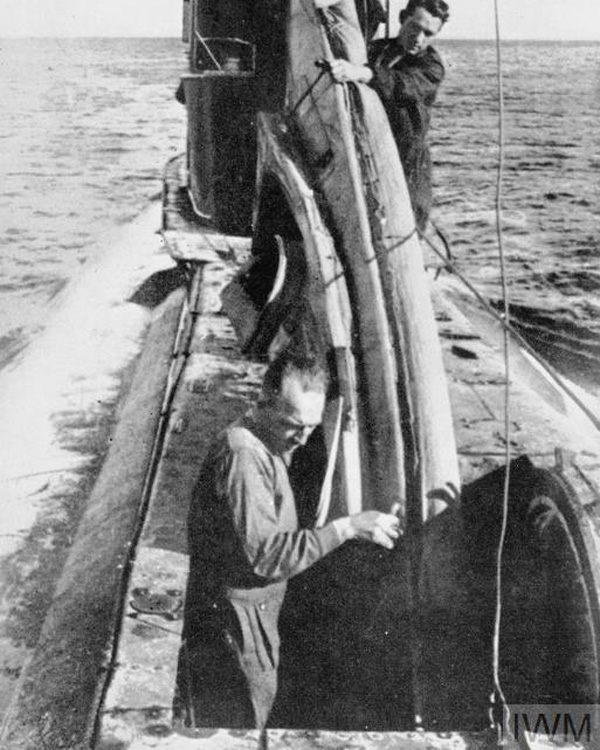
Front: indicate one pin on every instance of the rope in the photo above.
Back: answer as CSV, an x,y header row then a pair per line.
x,y
324,66
498,692
200,38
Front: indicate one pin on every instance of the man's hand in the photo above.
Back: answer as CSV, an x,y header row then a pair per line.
x,y
380,528
344,71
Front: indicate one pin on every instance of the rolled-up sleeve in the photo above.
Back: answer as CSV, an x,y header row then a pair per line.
x,y
264,518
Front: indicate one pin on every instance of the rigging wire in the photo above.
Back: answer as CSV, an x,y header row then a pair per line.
x,y
324,66
189,312
214,60
450,265
498,691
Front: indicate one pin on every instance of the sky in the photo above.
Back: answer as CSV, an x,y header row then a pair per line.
x,y
520,19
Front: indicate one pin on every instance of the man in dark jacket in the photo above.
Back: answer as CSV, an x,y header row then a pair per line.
x,y
245,543
406,72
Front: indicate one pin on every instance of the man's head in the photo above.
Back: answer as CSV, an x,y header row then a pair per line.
x,y
421,21
292,401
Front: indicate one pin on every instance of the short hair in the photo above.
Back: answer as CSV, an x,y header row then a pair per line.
x,y
437,8
309,371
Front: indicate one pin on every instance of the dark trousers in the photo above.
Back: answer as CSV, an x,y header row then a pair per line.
x,y
228,661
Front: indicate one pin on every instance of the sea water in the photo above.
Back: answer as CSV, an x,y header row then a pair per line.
x,y
86,126
550,186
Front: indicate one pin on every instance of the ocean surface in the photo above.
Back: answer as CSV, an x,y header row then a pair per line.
x,y
86,126
550,187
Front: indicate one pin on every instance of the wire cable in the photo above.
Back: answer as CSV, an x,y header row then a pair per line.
x,y
214,60
523,343
498,691
179,356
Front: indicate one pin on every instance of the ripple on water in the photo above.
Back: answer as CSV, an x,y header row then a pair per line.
x,y
67,115
87,125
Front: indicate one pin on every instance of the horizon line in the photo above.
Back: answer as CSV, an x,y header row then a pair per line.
x,y
174,36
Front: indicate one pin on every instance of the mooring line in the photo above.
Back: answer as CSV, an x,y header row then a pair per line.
x,y
498,693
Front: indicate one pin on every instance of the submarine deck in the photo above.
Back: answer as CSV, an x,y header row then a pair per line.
x,y
213,385
162,435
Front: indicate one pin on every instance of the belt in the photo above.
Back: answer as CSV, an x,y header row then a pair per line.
x,y
257,595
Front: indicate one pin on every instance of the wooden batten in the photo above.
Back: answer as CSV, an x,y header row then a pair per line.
x,y
399,354
408,300
322,118
328,301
